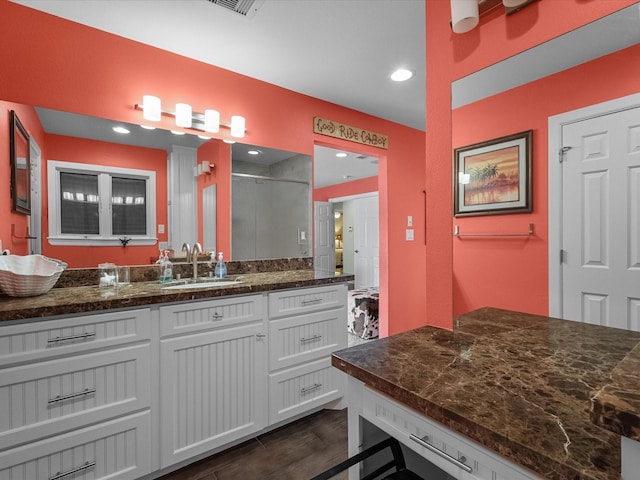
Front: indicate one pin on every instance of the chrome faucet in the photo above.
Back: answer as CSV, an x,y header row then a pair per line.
x,y
186,247
197,248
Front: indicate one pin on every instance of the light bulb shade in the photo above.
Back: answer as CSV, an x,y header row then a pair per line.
x,y
183,115
513,3
464,15
211,121
237,126
151,109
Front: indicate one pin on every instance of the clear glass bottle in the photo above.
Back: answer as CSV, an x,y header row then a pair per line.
x,y
221,268
167,269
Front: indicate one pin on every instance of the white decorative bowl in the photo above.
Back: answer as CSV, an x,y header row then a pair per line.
x,y
30,275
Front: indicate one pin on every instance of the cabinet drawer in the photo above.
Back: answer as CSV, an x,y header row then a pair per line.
x,y
43,339
303,388
43,399
294,340
412,429
117,450
210,314
304,300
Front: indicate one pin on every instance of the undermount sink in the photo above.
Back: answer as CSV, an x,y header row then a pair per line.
x,y
203,284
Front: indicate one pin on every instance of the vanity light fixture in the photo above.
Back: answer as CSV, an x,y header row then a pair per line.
x,y
177,132
151,108
465,14
147,127
204,168
185,117
211,121
237,126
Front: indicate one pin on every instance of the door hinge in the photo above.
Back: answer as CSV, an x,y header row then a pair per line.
x,y
563,255
561,153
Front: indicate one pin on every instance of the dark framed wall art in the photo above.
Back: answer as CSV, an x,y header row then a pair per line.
x,y
494,177
20,166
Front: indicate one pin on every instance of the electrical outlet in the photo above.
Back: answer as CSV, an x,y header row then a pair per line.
x,y
409,234
160,228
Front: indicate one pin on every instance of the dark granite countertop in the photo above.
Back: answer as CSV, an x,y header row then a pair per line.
x,y
60,301
521,385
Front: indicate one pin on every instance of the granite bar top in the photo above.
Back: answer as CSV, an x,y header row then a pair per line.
x,y
519,384
60,301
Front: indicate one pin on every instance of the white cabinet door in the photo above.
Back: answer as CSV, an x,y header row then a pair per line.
x,y
213,390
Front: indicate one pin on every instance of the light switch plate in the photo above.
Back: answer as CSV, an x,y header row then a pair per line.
x,y
409,221
409,234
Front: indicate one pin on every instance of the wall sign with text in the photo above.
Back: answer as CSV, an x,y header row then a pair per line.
x,y
352,134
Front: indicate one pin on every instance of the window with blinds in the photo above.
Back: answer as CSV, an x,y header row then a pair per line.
x,y
95,205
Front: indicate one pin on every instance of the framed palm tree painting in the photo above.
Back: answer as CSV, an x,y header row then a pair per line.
x,y
494,177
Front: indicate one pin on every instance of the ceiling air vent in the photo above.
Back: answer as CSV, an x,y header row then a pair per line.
x,y
246,8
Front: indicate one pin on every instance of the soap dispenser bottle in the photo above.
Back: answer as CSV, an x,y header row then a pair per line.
x,y
221,267
167,269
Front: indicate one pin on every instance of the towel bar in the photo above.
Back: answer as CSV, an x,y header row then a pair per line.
x,y
456,233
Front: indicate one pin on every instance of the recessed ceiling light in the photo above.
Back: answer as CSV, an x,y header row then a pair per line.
x,y
401,74
120,129
254,152
341,155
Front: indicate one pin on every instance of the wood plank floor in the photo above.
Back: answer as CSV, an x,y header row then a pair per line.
x,y
296,451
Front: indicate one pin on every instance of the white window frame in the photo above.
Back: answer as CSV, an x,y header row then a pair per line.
x,y
105,238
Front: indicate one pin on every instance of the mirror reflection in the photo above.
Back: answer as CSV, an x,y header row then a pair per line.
x,y
271,203
168,183
576,71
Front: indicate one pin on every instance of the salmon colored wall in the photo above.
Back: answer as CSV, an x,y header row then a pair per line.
x,y
356,187
54,63
80,150
449,57
520,281
29,120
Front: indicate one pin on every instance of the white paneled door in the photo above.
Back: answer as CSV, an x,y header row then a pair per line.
x,y
324,253
601,220
366,242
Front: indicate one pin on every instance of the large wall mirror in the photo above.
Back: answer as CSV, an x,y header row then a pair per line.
x,y
491,101
271,202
